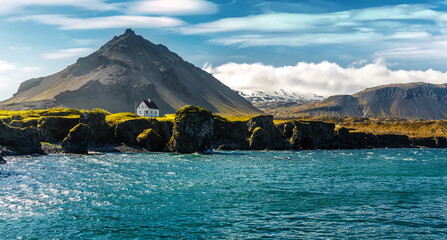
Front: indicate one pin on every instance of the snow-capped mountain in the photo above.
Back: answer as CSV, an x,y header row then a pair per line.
x,y
278,96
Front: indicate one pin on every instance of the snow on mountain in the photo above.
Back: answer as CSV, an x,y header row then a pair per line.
x,y
279,95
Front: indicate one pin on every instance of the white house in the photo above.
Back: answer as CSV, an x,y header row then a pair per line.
x,y
148,108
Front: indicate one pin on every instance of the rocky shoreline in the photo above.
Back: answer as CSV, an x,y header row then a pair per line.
x,y
194,130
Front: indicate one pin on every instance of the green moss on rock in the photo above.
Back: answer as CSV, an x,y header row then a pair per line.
x,y
150,140
78,139
193,130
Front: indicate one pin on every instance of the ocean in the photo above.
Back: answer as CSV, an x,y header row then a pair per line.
x,y
341,194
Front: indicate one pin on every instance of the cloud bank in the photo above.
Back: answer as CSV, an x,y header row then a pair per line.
x,y
8,7
68,23
406,31
324,78
173,7
9,73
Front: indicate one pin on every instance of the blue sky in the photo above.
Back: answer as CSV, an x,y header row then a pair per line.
x,y
393,41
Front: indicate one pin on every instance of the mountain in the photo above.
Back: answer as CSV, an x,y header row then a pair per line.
x,y
124,71
279,95
409,101
279,103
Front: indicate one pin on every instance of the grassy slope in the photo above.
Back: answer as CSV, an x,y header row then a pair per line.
x,y
412,128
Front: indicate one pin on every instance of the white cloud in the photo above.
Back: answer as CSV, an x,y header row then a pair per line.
x,y
9,76
85,41
67,53
5,66
430,49
375,28
323,78
173,7
68,23
13,5
317,22
296,40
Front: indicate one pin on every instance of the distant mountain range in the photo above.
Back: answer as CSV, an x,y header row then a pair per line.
x,y
278,96
125,71
280,103
407,101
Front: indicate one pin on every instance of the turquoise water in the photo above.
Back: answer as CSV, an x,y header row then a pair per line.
x,y
381,194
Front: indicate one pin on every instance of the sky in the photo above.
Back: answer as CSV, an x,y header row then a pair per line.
x,y
309,46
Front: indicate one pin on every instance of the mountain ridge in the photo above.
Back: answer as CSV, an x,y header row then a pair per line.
x,y
406,101
126,70
278,95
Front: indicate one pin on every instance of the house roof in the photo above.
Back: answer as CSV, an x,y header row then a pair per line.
x,y
150,104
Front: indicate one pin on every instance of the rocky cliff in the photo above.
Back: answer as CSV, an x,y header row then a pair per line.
x,y
194,130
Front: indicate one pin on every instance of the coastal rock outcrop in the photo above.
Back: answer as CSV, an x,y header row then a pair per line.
x,y
393,141
55,129
260,139
193,130
265,135
17,141
150,140
308,135
429,142
230,135
101,130
355,140
78,140
128,131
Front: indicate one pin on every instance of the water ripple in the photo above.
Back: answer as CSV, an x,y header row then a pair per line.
x,y
391,194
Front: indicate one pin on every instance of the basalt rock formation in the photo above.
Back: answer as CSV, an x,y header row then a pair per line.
x,y
193,130
78,140
150,140
19,141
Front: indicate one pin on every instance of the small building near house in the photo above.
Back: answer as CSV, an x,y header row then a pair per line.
x,y
148,108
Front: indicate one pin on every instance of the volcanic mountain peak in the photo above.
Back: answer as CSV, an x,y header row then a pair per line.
x,y
124,71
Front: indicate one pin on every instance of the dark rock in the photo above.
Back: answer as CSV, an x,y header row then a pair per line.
x,y
355,140
2,160
393,141
309,135
55,129
102,131
49,148
260,139
20,141
429,142
193,130
150,140
265,122
165,131
128,131
24,123
78,139
230,135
